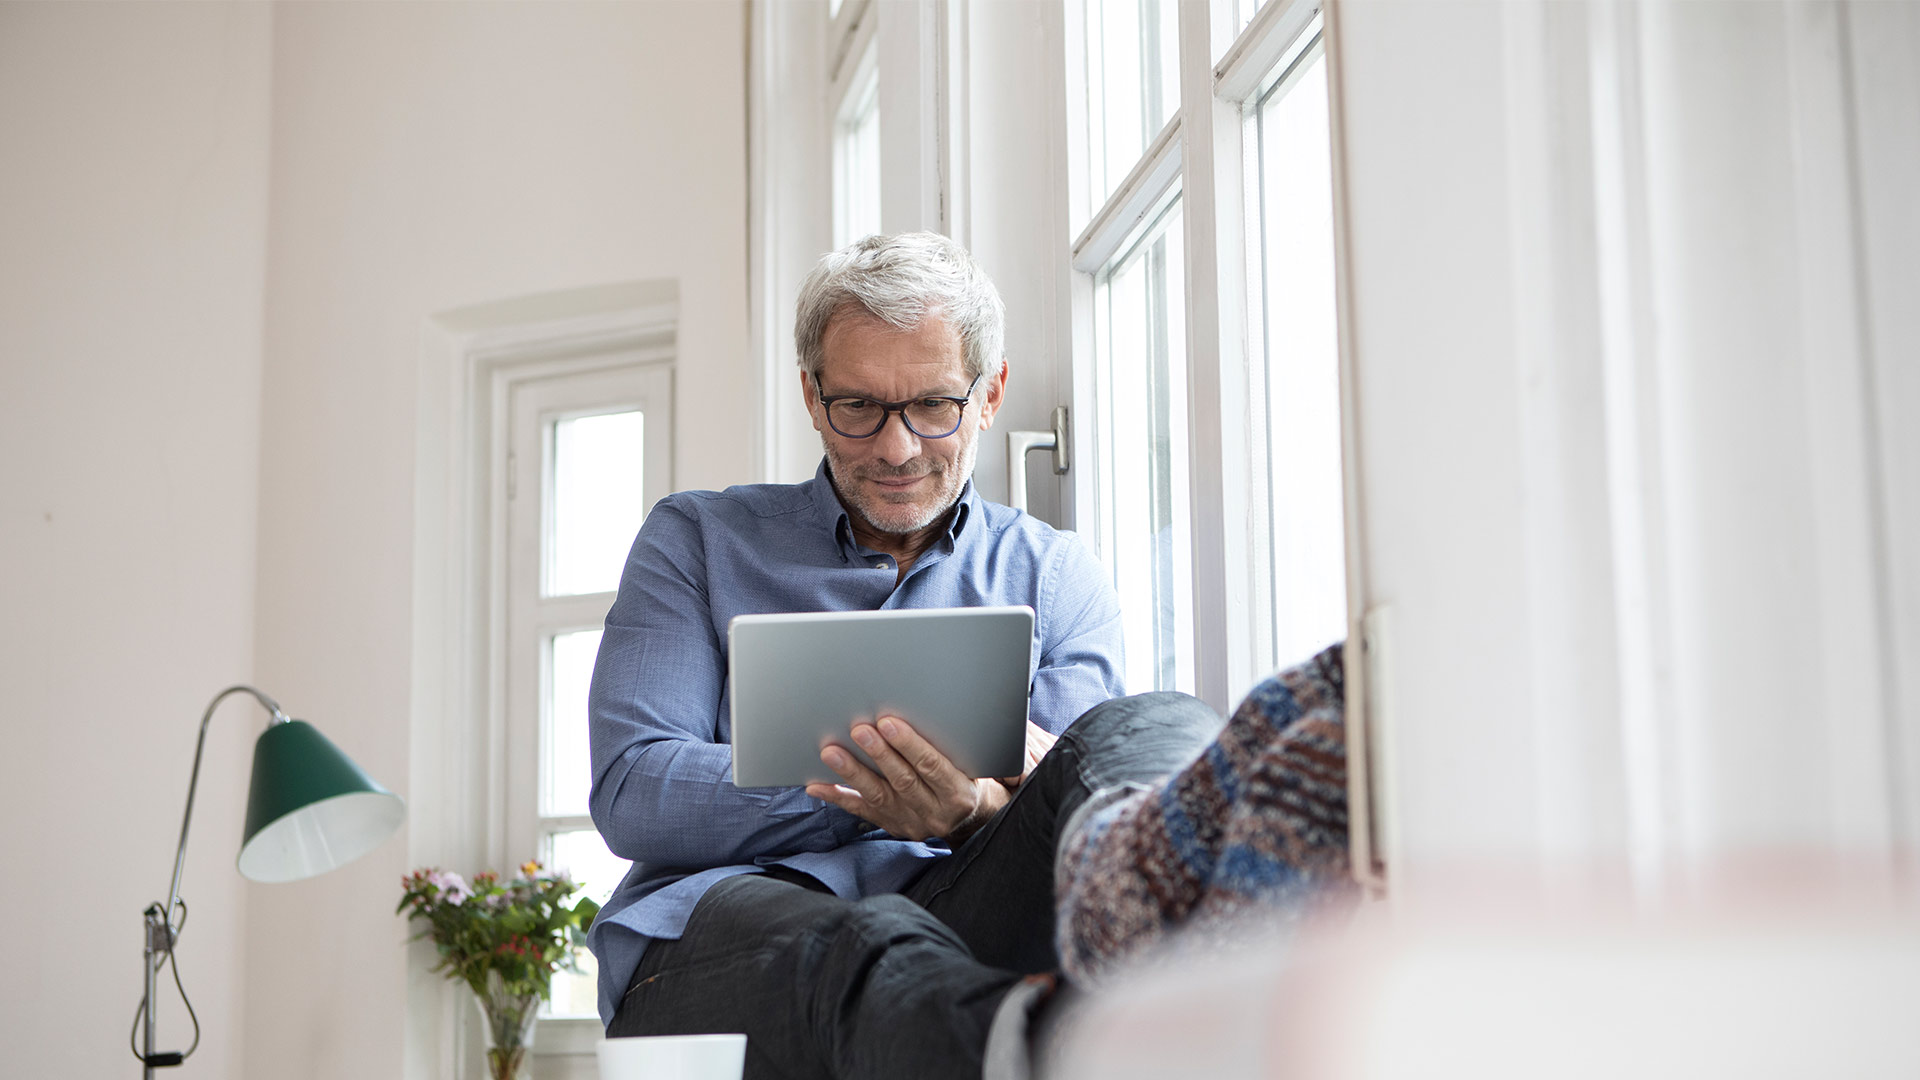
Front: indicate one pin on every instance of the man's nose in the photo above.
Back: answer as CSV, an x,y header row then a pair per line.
x,y
896,444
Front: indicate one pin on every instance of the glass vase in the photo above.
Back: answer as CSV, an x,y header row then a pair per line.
x,y
507,1023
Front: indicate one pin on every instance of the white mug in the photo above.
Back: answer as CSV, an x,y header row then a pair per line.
x,y
673,1057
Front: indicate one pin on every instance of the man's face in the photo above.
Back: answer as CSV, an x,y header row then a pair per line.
x,y
896,481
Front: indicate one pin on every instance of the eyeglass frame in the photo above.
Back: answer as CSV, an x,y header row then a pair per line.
x,y
890,407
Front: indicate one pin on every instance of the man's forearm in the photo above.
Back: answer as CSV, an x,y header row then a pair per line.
x,y
673,803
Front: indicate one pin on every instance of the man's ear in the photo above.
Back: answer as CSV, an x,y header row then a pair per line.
x,y
996,394
808,398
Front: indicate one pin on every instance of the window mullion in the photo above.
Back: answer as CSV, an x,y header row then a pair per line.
x,y
559,614
1133,203
847,36
1261,47
1216,261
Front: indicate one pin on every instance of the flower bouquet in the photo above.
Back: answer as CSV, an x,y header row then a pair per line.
x,y
504,939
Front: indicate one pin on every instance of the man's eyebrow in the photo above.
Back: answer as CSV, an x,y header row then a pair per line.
x,y
916,397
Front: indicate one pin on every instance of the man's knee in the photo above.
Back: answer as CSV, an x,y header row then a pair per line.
x,y
872,926
1159,710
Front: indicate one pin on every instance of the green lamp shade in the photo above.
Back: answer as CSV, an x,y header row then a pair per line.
x,y
310,808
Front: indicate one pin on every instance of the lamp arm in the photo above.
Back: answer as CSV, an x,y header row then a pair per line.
x,y
161,931
199,749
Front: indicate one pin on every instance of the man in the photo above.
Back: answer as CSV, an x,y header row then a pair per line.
x,y
870,928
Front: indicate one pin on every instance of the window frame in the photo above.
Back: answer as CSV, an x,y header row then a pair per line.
x,y
458,780
1201,151
857,94
542,395
1140,246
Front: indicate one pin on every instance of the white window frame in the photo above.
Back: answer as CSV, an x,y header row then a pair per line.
x,y
1105,532
543,393
641,379
465,810
859,93
1201,150
1303,56
539,391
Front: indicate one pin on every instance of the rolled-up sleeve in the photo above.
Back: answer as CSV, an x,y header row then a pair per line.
x,y
662,792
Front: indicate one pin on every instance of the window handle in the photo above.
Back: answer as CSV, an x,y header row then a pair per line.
x,y
1019,443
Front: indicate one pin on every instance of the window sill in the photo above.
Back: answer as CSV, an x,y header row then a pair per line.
x,y
568,1036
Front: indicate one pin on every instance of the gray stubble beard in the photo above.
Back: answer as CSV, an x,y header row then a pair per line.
x,y
857,501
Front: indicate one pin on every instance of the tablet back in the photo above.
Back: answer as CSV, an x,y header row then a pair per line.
x,y
801,680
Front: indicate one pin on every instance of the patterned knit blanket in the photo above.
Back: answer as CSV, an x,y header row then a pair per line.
x,y
1252,833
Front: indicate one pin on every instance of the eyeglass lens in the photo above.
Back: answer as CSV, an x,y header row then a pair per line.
x,y
929,418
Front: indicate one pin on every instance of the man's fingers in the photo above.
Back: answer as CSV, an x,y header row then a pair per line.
x,y
843,797
915,792
926,759
869,785
896,769
1039,742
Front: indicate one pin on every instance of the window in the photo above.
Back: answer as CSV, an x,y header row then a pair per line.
x,y
1145,525
1296,377
586,454
546,432
1243,13
1133,81
853,95
1133,252
1208,333
856,159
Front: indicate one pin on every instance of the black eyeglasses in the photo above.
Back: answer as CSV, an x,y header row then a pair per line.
x,y
931,417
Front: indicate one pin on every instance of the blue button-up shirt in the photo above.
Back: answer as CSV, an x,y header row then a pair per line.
x,y
660,716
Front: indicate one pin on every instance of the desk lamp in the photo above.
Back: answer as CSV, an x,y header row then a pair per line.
x,y
309,810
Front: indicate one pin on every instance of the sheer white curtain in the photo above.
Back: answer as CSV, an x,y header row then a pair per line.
x,y
1633,386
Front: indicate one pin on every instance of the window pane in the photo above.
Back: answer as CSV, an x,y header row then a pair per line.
x,y
1144,514
1133,72
566,768
857,166
1305,557
597,501
1243,13
584,855
575,995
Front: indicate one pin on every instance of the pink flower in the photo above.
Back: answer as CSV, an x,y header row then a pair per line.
x,y
453,887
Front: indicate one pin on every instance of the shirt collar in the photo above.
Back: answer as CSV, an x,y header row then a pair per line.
x,y
832,516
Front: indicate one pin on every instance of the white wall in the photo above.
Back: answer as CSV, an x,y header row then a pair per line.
x,y
1015,197
426,158
132,240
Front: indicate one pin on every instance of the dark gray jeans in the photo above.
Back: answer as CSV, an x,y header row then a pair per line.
x,y
900,986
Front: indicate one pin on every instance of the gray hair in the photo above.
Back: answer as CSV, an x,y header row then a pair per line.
x,y
901,280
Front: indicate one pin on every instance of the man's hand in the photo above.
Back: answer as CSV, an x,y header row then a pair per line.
x,y
1039,741
917,794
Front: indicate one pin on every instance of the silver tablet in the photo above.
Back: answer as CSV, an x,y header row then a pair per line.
x,y
799,681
